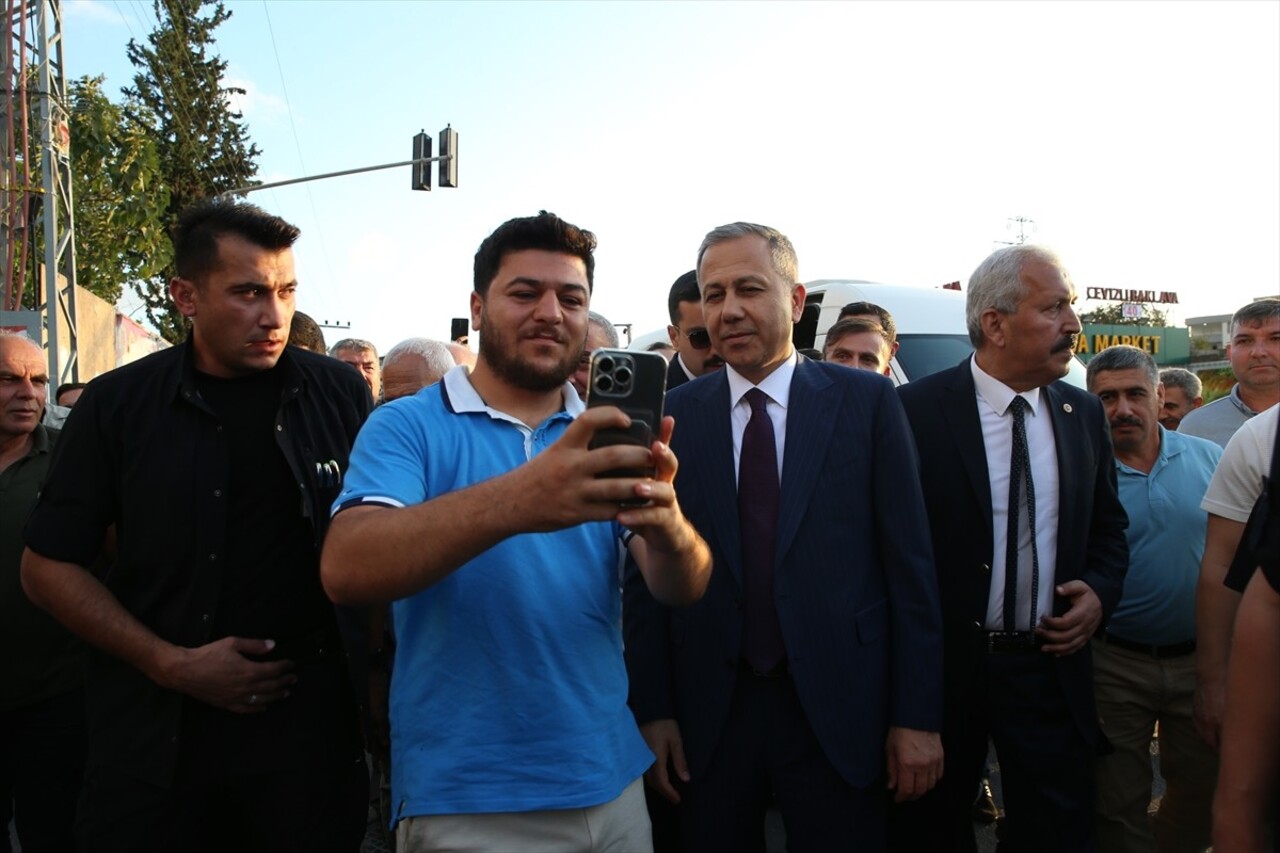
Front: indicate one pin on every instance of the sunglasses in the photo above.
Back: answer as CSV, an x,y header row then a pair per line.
x,y
698,338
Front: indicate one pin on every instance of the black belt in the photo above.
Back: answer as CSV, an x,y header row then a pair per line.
x,y
1173,650
780,670
1013,642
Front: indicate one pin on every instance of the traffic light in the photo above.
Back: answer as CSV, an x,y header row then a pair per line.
x,y
422,171
449,157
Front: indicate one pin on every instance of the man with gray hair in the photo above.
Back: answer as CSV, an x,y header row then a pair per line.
x,y
1182,394
461,354
601,334
412,365
1020,484
1144,662
1254,353
811,671
363,356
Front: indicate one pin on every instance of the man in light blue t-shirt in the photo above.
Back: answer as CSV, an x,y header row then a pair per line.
x,y
1144,664
1254,353
475,507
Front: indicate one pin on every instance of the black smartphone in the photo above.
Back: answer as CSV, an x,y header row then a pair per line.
x,y
635,382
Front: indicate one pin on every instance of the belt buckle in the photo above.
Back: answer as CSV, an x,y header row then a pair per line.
x,y
1002,642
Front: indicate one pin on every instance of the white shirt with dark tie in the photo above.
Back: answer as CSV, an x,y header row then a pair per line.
x,y
994,398
777,387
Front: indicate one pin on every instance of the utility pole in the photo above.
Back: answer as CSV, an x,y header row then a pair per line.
x,y
1022,222
33,216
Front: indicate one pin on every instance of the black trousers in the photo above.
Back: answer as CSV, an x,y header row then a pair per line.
x,y
322,809
768,750
1046,764
42,749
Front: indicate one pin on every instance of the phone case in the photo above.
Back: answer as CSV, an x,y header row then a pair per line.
x,y
635,382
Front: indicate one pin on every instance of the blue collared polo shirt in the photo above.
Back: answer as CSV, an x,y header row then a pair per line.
x,y
1166,540
509,691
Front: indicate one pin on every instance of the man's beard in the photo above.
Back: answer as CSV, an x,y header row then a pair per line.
x,y
505,362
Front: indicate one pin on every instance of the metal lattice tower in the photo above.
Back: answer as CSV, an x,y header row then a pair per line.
x,y
37,234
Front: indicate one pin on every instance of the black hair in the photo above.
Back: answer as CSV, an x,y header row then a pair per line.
x,y
852,325
195,238
68,386
862,309
1256,313
685,289
546,231
306,333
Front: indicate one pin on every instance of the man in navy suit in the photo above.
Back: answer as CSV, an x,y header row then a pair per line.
x,y
1017,616
813,663
688,333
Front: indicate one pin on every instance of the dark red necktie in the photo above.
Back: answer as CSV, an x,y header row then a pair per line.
x,y
758,498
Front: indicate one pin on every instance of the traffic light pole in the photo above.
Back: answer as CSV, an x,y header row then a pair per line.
x,y
273,184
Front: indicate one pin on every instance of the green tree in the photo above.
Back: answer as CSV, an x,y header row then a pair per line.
x,y
1110,315
120,199
203,145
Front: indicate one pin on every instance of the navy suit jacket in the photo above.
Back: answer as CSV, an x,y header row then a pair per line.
x,y
943,411
854,583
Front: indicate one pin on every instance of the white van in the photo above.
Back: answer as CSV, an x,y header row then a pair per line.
x,y
932,335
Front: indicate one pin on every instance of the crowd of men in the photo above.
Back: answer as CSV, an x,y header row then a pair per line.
x,y
249,568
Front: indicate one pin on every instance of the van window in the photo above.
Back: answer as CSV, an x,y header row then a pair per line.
x,y
805,332
920,355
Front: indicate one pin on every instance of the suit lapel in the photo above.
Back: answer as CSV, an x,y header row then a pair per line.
x,y
1066,436
810,425
712,443
960,411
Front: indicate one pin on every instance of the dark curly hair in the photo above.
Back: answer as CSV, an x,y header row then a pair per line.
x,y
546,231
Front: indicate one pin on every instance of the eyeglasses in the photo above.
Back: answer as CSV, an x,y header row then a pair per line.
x,y
698,338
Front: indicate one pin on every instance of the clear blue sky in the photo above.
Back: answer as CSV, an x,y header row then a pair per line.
x,y
890,141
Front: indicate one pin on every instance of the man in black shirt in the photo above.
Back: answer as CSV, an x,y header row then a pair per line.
x,y
221,716
42,731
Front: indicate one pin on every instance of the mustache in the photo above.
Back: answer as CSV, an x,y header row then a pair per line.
x,y
1067,343
1127,420
558,337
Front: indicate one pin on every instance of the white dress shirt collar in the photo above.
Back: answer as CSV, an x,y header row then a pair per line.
x,y
684,367
998,395
776,386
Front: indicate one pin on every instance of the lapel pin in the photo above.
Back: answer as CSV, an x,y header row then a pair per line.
x,y
1066,407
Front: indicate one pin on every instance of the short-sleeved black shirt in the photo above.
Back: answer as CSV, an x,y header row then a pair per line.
x,y
145,452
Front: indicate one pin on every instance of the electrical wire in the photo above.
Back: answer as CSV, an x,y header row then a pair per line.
x,y
297,142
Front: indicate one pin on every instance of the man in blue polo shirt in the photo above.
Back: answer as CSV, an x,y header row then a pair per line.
x,y
1144,665
475,507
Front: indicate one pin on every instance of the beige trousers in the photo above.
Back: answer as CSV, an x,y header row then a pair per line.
x,y
618,826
